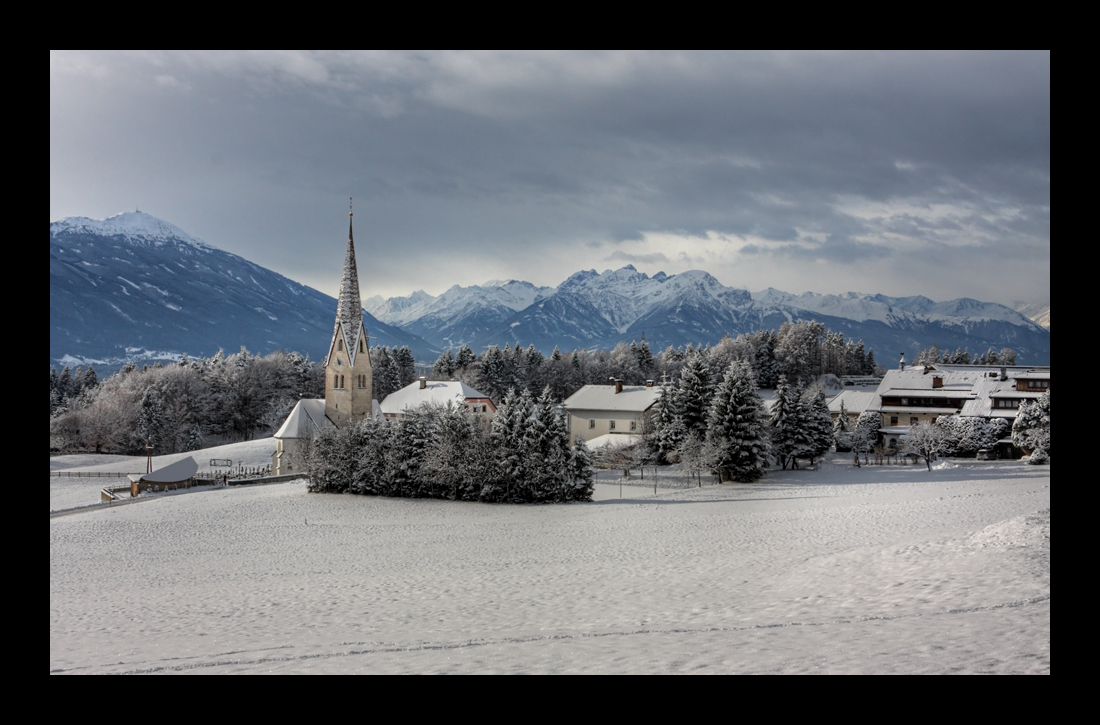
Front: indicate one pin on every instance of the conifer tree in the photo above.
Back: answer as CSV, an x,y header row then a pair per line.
x,y
465,358
842,430
736,429
581,471
694,396
819,426
786,423
444,367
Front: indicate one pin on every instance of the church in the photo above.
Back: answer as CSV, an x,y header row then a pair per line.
x,y
347,375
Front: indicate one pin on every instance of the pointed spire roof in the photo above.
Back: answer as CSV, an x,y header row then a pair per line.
x,y
349,307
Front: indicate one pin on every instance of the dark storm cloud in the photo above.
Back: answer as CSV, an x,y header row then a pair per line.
x,y
530,165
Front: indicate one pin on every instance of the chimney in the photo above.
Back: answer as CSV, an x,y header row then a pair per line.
x,y
937,382
649,383
901,365
423,382
618,385
1004,373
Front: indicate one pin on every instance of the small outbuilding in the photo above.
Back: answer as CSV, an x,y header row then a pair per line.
x,y
174,475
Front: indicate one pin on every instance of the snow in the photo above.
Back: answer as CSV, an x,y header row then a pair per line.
x,y
435,393
134,226
882,569
72,491
632,399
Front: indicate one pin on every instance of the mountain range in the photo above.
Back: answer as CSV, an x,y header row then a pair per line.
x,y
599,310
135,287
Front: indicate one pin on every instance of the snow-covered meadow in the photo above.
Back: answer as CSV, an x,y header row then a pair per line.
x,y
871,570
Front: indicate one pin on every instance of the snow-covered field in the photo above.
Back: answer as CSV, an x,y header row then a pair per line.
x,y
71,492
871,570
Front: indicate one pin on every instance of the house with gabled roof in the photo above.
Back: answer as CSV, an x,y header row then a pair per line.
x,y
917,393
439,394
617,409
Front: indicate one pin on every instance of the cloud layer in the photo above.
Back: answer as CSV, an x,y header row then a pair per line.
x,y
894,173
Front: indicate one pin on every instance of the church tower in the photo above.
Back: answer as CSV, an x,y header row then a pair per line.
x,y
347,367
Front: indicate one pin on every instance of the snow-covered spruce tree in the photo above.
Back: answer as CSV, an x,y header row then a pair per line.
x,y
668,424
818,426
151,419
444,367
581,472
546,451
465,357
842,431
447,461
1031,429
508,437
785,425
694,395
333,460
737,426
371,474
410,441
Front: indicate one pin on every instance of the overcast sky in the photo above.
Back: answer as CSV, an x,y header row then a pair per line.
x,y
893,173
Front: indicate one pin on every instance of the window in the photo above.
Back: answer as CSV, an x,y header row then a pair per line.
x,y
340,345
360,344
913,421
893,420
612,426
1038,384
1007,403
591,424
633,425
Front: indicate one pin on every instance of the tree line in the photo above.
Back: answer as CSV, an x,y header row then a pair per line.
x,y
524,457
191,404
802,351
961,356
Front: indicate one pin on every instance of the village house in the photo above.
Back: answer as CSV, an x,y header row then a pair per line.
x,y
595,411
917,393
439,394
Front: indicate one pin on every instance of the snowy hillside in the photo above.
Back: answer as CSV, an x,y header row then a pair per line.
x,y
133,286
591,309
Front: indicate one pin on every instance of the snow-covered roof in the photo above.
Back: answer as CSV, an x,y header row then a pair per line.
x,y
914,380
988,390
855,401
1033,374
306,420
633,398
436,393
172,473
613,440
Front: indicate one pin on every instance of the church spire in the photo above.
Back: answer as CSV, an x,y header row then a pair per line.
x,y
349,307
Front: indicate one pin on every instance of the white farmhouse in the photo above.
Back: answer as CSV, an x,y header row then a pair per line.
x,y
599,410
439,394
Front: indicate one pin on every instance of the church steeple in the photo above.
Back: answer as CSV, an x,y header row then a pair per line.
x,y
348,376
349,307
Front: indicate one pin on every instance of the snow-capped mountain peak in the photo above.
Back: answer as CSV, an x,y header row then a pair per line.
x,y
135,226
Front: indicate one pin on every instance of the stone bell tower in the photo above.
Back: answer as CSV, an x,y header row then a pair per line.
x,y
347,367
